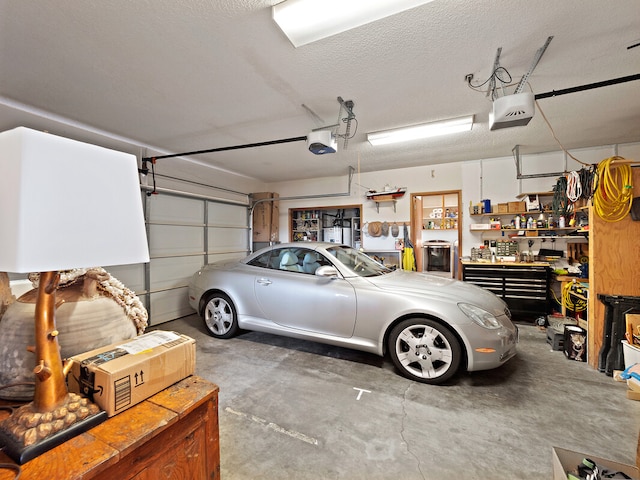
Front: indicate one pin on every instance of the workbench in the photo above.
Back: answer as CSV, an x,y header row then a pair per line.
x,y
173,434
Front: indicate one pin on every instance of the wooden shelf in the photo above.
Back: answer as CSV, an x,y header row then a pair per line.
x,y
383,199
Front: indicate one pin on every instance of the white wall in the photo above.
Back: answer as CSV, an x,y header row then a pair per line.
x,y
492,178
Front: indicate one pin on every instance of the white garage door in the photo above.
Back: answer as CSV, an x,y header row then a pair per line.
x,y
184,233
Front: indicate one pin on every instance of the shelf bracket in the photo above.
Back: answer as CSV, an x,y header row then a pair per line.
x,y
378,206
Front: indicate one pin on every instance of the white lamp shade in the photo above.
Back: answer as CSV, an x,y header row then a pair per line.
x,y
66,204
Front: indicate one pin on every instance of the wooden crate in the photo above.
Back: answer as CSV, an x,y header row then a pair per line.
x,y
516,207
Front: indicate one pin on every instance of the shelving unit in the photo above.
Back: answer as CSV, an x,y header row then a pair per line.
x,y
548,232
306,226
440,212
326,224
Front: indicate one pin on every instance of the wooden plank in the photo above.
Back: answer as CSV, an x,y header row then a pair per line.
x,y
70,460
172,435
613,268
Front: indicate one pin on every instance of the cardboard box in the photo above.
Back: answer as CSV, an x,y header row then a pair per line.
x,y
118,376
266,217
480,226
516,207
532,202
503,208
567,460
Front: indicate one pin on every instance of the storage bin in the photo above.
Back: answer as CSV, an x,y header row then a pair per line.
x,y
631,354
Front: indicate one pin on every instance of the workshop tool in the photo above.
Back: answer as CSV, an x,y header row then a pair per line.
x,y
611,355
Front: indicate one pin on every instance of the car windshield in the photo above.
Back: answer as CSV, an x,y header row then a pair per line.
x,y
358,262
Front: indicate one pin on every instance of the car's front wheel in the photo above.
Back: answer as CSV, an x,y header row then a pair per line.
x,y
219,315
424,350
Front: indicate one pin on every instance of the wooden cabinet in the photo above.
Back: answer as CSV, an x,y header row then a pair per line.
x,y
173,434
614,264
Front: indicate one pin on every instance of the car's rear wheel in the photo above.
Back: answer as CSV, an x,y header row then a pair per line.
x,y
424,350
219,315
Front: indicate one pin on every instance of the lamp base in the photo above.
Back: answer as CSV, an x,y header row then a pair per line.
x,y
28,433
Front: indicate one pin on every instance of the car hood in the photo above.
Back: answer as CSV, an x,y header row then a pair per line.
x,y
416,283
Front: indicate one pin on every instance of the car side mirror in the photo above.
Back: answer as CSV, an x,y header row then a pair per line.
x,y
327,271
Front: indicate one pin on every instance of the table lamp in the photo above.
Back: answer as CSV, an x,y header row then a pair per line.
x,y
65,204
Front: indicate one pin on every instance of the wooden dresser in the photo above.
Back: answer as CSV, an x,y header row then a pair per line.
x,y
171,435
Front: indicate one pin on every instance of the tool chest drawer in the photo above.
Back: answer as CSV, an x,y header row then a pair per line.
x,y
524,288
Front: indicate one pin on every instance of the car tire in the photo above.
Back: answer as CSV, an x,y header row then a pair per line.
x,y
424,350
219,315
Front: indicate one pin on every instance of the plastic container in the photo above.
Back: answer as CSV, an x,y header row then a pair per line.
x,y
631,354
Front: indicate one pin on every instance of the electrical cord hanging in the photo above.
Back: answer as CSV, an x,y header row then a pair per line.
x,y
614,195
588,181
574,186
495,75
560,203
553,133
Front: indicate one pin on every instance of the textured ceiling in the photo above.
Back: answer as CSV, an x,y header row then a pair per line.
x,y
166,76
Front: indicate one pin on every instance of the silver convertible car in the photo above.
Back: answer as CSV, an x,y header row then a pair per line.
x,y
330,293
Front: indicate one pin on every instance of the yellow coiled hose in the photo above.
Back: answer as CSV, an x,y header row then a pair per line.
x,y
614,194
578,306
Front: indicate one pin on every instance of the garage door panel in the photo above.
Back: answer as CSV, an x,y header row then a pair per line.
x,y
173,209
175,240
173,272
228,215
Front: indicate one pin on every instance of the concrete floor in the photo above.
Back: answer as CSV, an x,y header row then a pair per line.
x,y
291,409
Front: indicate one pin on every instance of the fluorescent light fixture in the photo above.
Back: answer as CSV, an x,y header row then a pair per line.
x,y
424,130
306,21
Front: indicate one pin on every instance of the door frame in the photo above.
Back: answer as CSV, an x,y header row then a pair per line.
x,y
417,224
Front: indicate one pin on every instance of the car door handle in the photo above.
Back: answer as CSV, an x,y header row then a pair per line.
x,y
264,281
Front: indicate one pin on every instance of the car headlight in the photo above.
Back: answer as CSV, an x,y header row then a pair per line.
x,y
480,316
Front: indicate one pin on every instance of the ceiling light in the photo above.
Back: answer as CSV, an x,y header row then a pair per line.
x,y
424,130
306,21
